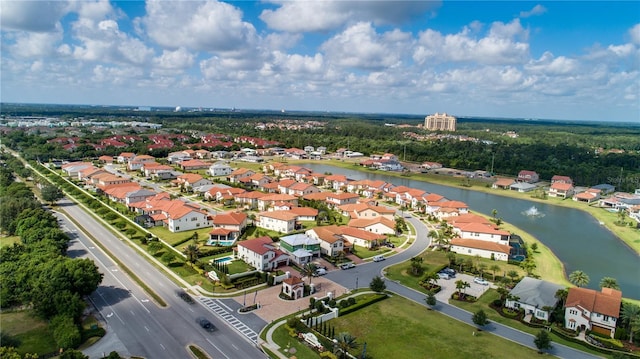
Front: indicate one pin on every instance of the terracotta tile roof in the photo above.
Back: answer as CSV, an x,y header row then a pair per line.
x,y
221,231
560,186
482,228
193,163
504,182
304,211
329,234
606,302
190,177
232,218
293,281
366,222
318,196
362,234
260,245
452,204
434,197
467,218
280,215
343,195
480,244
278,197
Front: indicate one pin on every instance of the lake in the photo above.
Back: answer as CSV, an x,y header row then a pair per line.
x,y
575,237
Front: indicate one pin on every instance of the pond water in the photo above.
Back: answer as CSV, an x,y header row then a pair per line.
x,y
576,238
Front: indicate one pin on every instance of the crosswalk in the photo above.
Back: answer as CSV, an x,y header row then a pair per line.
x,y
225,313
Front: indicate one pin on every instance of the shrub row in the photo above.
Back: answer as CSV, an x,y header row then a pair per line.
x,y
362,304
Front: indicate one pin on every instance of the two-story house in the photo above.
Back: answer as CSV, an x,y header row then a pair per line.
x,y
300,247
261,253
330,237
561,189
589,309
219,169
279,221
528,176
227,227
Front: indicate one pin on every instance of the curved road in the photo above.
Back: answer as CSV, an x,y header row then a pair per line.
x,y
365,272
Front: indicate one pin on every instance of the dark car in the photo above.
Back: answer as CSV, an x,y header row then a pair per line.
x,y
185,296
390,245
206,324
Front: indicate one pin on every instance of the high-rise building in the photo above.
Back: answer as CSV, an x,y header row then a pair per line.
x,y
440,122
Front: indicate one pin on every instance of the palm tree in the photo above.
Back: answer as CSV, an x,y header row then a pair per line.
x,y
432,278
462,286
494,268
609,282
416,265
345,341
308,269
513,275
562,294
579,278
192,252
630,316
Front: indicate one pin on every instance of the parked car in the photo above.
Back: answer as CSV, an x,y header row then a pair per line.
x,y
378,258
481,281
319,272
347,265
451,272
443,275
206,324
390,245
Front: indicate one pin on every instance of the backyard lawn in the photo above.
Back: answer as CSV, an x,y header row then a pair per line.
x,y
6,241
173,238
399,328
31,332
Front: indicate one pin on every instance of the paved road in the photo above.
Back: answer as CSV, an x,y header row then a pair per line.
x,y
363,273
141,327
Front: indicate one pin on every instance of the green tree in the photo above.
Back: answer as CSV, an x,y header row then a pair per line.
x,y
462,286
345,342
513,275
562,294
192,252
542,341
377,284
155,247
432,278
534,247
51,193
430,299
168,257
65,332
76,354
308,269
494,268
609,282
630,315
479,318
416,266
579,278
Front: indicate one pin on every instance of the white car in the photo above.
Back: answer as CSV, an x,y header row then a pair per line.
x,y
481,281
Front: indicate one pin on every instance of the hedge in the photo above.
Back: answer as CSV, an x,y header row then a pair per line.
x,y
362,304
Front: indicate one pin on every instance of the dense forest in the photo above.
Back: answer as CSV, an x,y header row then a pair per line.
x,y
579,150
35,272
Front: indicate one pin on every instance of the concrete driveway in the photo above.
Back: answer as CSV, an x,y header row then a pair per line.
x,y
449,287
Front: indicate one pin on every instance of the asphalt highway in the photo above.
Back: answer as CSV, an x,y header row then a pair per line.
x,y
136,325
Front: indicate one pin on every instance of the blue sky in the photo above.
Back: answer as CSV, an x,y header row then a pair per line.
x,y
555,60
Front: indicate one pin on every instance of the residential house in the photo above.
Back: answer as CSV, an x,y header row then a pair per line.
x,y
103,180
536,297
72,169
232,224
503,183
365,210
379,225
300,189
293,287
484,249
86,173
342,198
331,240
561,179
219,169
249,199
362,238
596,311
300,247
528,176
431,165
267,200
106,159
523,187
284,184
118,192
192,165
561,189
261,253
337,182
279,221
124,157
234,176
182,216
482,232
590,195
304,213
189,181
445,209
605,189
177,157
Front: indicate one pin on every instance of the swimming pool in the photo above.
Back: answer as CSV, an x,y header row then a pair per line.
x,y
223,260
222,242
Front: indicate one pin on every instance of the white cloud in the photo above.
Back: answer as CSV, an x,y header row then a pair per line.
x,y
537,10
198,25
295,64
322,16
500,46
40,16
634,32
179,59
360,46
36,44
550,65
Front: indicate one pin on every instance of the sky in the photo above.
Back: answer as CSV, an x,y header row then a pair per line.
x,y
565,60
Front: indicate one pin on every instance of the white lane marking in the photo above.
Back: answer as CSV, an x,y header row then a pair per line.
x,y
144,300
110,315
145,327
235,347
215,346
163,348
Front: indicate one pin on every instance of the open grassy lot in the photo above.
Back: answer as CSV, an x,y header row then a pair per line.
x,y
8,240
399,328
32,333
173,238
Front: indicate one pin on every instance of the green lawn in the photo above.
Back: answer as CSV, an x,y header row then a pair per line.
x,y
399,328
173,238
8,240
364,253
32,333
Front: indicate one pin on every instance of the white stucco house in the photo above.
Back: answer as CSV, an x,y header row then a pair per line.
x,y
536,297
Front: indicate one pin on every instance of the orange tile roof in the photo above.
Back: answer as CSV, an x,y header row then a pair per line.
x,y
606,302
329,234
481,228
280,215
561,186
480,244
260,245
304,211
362,234
278,197
504,182
232,218
366,222
318,196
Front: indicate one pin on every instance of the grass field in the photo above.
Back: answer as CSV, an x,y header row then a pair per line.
x,y
31,332
8,240
399,328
